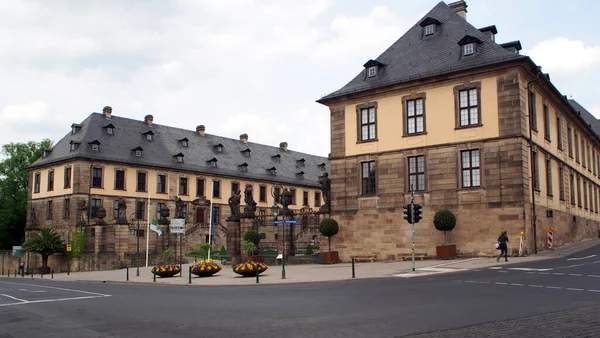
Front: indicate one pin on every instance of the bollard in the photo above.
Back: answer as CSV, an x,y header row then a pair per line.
x,y
32,275
23,273
51,273
190,275
353,274
42,275
154,277
257,274
127,274
180,270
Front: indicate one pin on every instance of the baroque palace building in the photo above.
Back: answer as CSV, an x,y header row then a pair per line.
x,y
109,173
477,128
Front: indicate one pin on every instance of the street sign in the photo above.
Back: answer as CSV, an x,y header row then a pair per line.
x,y
277,222
17,251
287,221
68,247
177,226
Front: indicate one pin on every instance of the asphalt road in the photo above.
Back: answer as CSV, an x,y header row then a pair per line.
x,y
553,298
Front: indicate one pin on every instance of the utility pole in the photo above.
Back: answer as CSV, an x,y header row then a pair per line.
x,y
412,223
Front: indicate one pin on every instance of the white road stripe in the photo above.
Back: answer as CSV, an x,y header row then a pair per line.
x,y
575,274
500,283
543,273
517,284
503,271
470,281
53,300
530,269
580,258
574,289
558,273
553,287
11,297
480,282
38,291
593,276
594,290
55,288
536,286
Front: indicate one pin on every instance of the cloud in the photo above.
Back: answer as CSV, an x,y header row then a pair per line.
x,y
564,57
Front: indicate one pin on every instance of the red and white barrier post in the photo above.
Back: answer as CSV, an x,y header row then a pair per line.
x,y
521,244
550,240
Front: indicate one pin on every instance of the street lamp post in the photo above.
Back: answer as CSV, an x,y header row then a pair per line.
x,y
275,214
137,251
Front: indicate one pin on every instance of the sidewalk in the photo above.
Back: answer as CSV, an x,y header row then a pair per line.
x,y
317,272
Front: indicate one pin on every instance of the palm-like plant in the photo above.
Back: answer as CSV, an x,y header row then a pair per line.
x,y
46,242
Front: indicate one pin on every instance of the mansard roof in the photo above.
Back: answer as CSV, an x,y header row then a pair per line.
x,y
200,150
414,56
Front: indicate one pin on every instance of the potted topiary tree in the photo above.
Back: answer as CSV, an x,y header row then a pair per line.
x,y
249,249
329,227
253,237
444,220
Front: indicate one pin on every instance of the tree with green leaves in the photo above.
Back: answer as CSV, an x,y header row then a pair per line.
x,y
16,157
79,242
444,220
328,228
46,242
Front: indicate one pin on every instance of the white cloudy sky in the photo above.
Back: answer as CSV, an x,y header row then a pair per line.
x,y
243,66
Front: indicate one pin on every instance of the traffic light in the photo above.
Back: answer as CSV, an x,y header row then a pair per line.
x,y
408,213
416,213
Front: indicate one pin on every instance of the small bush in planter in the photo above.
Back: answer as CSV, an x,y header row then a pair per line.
x,y
444,220
206,268
250,269
248,248
166,270
329,227
252,236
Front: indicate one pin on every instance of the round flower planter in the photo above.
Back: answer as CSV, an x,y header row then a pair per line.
x,y
169,270
206,268
249,269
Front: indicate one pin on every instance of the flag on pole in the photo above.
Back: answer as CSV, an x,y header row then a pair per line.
x,y
154,227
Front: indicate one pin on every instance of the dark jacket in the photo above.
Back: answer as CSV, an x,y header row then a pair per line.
x,y
502,240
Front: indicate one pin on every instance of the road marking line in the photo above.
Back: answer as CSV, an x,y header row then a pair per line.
x,y
500,283
558,273
53,300
594,290
495,268
470,281
543,273
11,297
531,273
580,258
62,289
480,282
38,291
575,274
517,284
503,271
554,287
530,269
571,266
574,289
593,276
536,286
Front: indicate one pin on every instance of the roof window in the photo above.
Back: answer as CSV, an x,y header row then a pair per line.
x,y
246,152
276,158
149,135
73,145
94,145
212,162
179,157
468,45
75,128
137,152
300,163
218,148
110,129
272,171
184,142
46,153
243,167
429,25
300,175
372,67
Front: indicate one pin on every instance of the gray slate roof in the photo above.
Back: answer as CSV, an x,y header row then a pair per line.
x,y
587,117
415,56
128,134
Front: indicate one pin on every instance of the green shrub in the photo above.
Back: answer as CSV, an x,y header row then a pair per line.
x,y
444,220
248,248
329,227
252,236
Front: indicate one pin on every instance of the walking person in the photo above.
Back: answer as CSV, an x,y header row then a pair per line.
x,y
502,240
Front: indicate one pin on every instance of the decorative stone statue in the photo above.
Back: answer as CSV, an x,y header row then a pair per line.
x,y
33,217
179,208
250,207
82,211
286,200
121,209
234,205
326,191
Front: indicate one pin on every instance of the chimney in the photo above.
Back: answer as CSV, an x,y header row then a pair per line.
x,y
460,7
283,146
244,138
149,119
200,129
107,111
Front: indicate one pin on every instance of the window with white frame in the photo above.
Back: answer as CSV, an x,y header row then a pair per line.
x,y
471,169
469,107
429,29
415,116
367,124
372,71
468,49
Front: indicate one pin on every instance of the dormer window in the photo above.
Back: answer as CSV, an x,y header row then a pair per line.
x,y
212,162
243,167
137,152
372,67
300,163
46,153
429,25
322,166
276,158
75,128
149,135
218,148
272,171
184,142
179,158
300,175
73,145
246,153
95,145
467,45
109,128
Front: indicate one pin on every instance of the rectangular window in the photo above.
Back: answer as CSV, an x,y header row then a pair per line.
x,y
317,199
116,209
367,124
559,136
262,195
594,161
235,186
66,208
216,189
67,178
293,193
561,183
49,211
583,162
161,183
546,123
576,148
96,204
141,181
36,183
429,29
216,214
140,210
199,187
572,188
471,168
579,199
183,186
536,171
50,180
416,173
532,111
415,116
585,196
591,193
549,176
468,107
570,141
159,207
277,192
596,199
305,198
119,179
372,71
589,158
468,49
369,182
96,177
